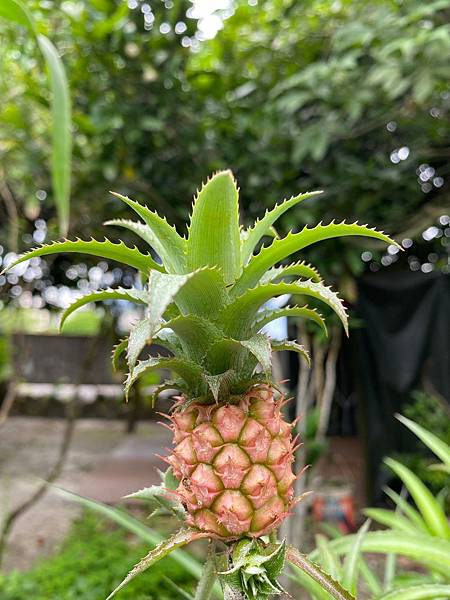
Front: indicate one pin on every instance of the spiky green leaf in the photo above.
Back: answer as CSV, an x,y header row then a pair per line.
x,y
240,356
291,346
200,292
178,540
262,226
259,345
106,249
238,316
129,295
327,583
187,370
276,560
134,526
164,239
196,335
298,269
140,229
214,238
428,505
220,384
117,352
140,336
267,316
157,497
280,249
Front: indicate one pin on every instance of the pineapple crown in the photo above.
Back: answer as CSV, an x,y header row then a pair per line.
x,y
205,295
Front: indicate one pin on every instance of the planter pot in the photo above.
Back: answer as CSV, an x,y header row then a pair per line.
x,y
335,505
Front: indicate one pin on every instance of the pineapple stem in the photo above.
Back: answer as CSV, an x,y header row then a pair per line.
x,y
233,594
206,584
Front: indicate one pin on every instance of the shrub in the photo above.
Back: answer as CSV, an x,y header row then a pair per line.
x,y
91,563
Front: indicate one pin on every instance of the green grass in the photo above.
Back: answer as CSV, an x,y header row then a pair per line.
x,y
92,561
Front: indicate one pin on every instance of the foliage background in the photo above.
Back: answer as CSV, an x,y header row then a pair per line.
x,y
348,97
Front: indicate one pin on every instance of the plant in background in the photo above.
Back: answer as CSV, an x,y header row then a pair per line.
x,y
419,532
18,13
432,413
230,476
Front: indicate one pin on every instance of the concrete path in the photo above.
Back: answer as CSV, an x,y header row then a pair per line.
x,y
104,464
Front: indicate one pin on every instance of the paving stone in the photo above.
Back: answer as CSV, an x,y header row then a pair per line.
x,y
104,463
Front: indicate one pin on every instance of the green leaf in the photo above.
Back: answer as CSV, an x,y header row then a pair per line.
x,y
351,562
15,11
177,589
406,508
140,335
327,583
196,335
165,240
299,269
328,559
259,345
306,582
291,346
130,295
390,519
280,249
423,548
135,526
206,584
61,130
193,336
106,249
418,592
189,371
200,292
239,356
389,570
262,226
435,444
430,508
169,340
214,237
219,385
267,316
157,496
237,317
370,577
118,350
140,229
178,540
275,561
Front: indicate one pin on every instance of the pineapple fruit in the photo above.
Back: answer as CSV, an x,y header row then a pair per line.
x,y
203,299
234,464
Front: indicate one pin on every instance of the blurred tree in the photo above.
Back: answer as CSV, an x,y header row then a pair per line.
x,y
341,96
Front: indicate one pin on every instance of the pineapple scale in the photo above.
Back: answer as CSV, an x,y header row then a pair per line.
x,y
234,465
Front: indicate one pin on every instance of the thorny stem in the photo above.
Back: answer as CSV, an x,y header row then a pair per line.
x,y
315,572
206,583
